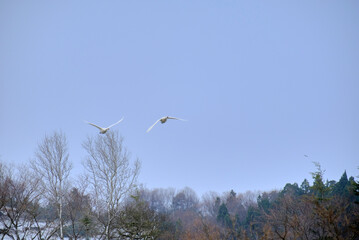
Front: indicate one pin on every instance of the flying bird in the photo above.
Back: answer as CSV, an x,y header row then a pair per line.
x,y
305,155
163,120
104,130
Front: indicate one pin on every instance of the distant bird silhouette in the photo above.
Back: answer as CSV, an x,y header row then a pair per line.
x,y
305,155
104,130
163,120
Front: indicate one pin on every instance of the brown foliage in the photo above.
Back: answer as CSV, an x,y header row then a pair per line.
x,y
202,229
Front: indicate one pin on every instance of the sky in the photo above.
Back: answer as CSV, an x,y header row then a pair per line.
x,y
261,83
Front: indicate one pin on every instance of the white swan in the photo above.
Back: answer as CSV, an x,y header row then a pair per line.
x,y
163,120
104,130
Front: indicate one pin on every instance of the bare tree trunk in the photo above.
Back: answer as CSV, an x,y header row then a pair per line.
x,y
60,218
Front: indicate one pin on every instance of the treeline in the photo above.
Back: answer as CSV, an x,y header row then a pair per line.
x,y
323,210
39,201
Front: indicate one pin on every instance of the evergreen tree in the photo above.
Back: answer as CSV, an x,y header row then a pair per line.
x,y
252,214
319,189
354,190
264,202
305,187
223,216
138,221
217,204
341,188
232,194
292,189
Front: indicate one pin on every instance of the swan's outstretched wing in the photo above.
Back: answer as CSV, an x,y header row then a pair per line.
x,y
115,123
149,129
94,125
176,118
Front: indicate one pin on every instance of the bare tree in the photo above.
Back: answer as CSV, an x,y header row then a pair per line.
x,y
279,218
77,212
4,184
184,200
159,199
51,164
20,201
111,176
210,205
202,229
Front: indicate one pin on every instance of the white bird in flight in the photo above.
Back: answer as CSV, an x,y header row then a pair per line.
x,y
163,120
104,130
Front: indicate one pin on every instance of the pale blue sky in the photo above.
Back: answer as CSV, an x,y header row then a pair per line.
x,y
261,82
